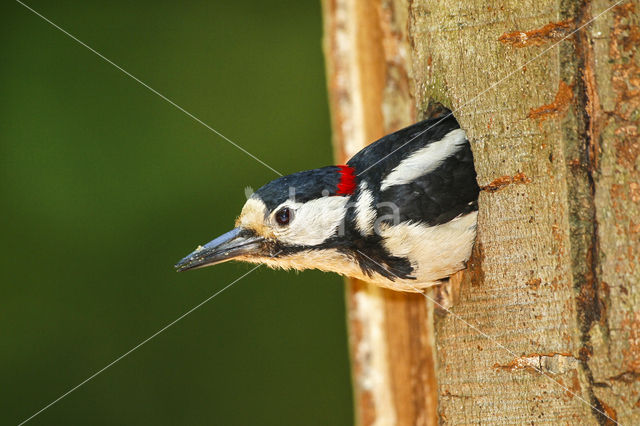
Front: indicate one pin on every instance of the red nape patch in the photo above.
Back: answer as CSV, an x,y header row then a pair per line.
x,y
347,181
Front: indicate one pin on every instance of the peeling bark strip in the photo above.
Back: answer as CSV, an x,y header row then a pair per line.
x,y
391,334
547,363
559,106
553,31
555,274
352,121
503,181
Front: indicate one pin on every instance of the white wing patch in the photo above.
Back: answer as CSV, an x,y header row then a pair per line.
x,y
365,214
425,160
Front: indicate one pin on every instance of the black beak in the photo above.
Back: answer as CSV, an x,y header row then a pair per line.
x,y
235,243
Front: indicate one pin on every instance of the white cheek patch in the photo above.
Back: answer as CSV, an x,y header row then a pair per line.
x,y
313,222
365,214
425,160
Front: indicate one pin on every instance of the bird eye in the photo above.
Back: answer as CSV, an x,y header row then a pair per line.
x,y
283,216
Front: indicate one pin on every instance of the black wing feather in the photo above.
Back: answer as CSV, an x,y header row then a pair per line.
x,y
449,191
434,198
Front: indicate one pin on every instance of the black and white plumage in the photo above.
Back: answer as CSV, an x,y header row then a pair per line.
x,y
401,214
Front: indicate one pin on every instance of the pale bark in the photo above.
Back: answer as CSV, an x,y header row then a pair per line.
x,y
391,334
552,291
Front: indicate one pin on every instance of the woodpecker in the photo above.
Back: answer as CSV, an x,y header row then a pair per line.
x,y
401,213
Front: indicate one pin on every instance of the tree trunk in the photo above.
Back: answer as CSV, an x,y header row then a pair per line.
x,y
546,327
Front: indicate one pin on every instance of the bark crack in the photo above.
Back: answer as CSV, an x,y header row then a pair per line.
x,y
553,31
590,309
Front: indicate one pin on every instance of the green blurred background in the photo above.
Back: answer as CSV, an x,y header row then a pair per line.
x,y
104,186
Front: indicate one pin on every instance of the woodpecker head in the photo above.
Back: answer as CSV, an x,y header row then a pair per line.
x,y
295,221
